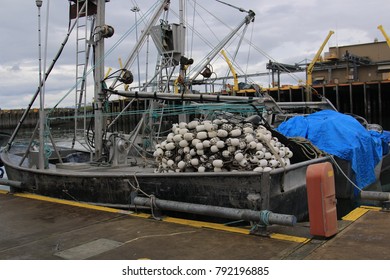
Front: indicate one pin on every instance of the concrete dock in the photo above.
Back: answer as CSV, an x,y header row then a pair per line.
x,y
39,228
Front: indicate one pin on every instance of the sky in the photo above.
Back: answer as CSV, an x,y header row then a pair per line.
x,y
284,31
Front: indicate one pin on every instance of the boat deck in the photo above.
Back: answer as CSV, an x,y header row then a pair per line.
x,y
70,168
36,227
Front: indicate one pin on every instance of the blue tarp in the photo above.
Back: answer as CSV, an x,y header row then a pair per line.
x,y
342,136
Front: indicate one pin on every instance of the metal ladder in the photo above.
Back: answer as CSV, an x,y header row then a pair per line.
x,y
82,58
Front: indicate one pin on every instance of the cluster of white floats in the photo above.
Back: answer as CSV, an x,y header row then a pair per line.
x,y
220,145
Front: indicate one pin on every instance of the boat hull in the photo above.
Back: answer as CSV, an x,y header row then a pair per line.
x,y
280,191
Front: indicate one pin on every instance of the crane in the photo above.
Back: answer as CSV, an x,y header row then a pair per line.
x,y
380,27
309,69
235,87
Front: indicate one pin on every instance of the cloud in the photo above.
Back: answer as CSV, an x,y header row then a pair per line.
x,y
15,68
285,31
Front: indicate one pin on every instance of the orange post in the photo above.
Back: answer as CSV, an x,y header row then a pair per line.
x,y
321,197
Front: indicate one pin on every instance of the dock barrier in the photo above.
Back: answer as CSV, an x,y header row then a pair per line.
x,y
264,217
377,196
11,183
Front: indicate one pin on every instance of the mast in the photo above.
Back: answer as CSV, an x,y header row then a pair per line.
x,y
181,22
41,155
99,96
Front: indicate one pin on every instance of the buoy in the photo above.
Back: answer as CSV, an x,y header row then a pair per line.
x,y
218,163
214,149
177,138
258,169
206,144
220,144
239,156
201,169
199,146
201,135
170,146
183,131
235,132
222,133
183,143
189,136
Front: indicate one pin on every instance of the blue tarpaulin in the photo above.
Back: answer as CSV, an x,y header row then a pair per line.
x,y
342,136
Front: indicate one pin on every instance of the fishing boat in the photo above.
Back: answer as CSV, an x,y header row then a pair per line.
x,y
203,150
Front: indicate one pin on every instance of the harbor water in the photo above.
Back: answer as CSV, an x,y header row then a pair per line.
x,y
62,136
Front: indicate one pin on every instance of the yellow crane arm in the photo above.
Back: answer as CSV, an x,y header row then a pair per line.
x,y
235,87
380,27
309,68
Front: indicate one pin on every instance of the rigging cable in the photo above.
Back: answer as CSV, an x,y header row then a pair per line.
x,y
100,60
343,173
203,38
193,24
249,51
54,61
259,50
230,5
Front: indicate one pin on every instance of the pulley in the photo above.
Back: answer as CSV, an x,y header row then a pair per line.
x,y
107,31
127,77
185,62
207,72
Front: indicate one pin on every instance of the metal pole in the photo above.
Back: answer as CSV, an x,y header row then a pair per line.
x,y
11,183
41,158
98,77
264,217
189,97
372,195
135,9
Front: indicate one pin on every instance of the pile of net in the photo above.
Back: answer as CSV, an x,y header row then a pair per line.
x,y
220,145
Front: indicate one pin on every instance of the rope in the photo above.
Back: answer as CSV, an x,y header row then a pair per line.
x,y
264,217
153,206
312,152
71,196
249,49
152,197
342,172
264,221
307,148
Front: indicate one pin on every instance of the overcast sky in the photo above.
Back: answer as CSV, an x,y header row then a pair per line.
x,y
286,31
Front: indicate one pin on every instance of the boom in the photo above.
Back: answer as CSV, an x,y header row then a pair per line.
x,y
380,27
309,69
235,87
248,19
